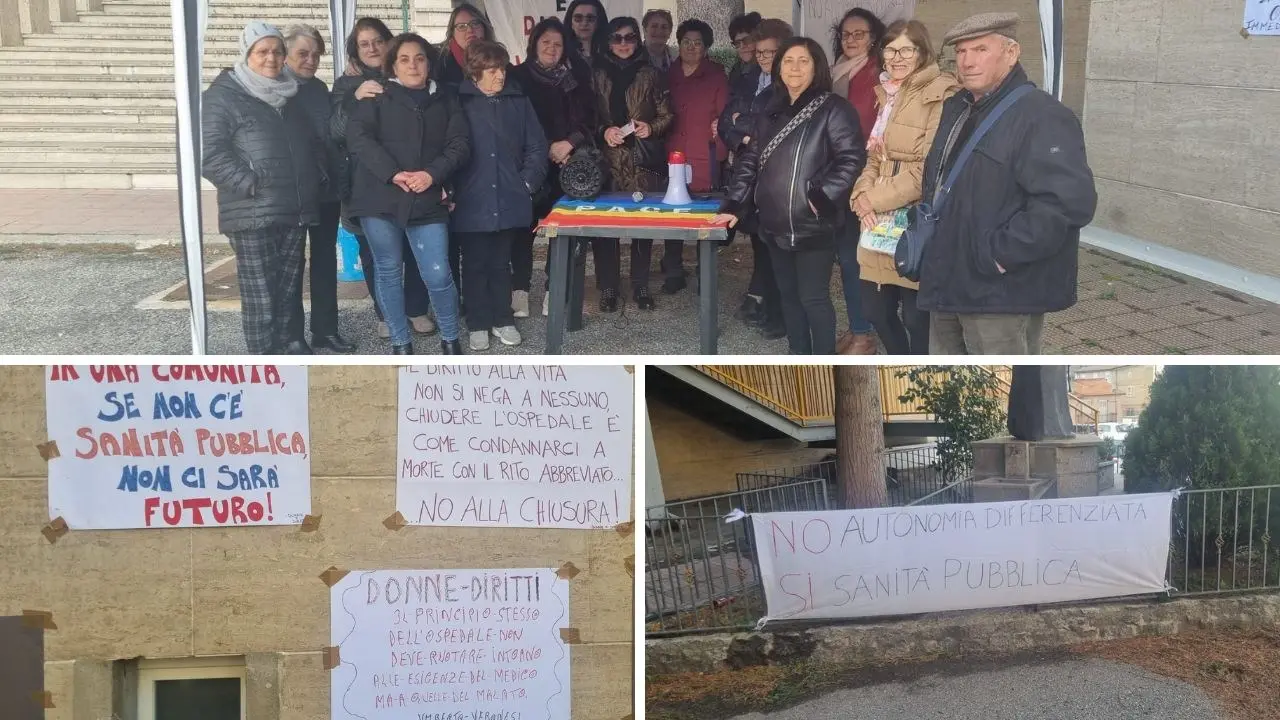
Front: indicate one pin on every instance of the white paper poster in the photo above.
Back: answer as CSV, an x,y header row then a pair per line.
x,y
513,20
450,645
158,446
1262,17
817,17
898,561
515,446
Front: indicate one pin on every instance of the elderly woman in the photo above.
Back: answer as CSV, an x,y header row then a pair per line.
x,y
562,98
699,93
408,143
363,79
466,25
304,48
856,42
741,28
494,203
749,98
657,26
812,135
910,96
266,161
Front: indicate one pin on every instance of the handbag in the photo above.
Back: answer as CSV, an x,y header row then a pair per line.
x,y
908,255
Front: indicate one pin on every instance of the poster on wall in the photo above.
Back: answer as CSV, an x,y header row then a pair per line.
x,y
935,558
817,17
1262,17
466,644
177,446
515,446
513,20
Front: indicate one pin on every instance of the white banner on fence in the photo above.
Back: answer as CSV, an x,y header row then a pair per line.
x,y
155,446
897,561
450,644
817,17
515,446
513,20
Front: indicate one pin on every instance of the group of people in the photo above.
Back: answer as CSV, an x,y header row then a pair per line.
x,y
440,160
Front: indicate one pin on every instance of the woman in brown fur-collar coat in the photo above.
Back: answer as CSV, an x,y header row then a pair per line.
x,y
629,91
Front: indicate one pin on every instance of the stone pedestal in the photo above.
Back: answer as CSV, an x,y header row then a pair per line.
x,y
1009,469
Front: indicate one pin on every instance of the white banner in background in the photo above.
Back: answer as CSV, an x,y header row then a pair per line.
x,y
897,561
156,446
513,20
817,17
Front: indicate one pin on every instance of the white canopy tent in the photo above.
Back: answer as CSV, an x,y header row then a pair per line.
x,y
190,20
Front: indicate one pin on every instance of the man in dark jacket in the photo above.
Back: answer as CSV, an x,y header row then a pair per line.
x,y
1005,249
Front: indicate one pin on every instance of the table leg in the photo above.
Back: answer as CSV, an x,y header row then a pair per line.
x,y
709,313
559,293
578,283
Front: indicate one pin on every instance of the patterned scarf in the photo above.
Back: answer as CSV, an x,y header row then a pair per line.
x,y
272,91
891,88
560,77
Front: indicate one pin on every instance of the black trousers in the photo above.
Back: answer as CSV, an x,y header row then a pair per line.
x,y
907,334
416,301
608,256
486,277
323,277
764,284
804,282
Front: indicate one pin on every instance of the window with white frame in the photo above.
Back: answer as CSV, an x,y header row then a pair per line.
x,y
210,688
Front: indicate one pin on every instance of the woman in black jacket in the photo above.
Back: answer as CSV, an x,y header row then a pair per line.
x,y
564,103
366,51
587,39
408,143
267,163
797,174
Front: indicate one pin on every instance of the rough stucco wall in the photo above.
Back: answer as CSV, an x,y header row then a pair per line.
x,y
1179,125
178,593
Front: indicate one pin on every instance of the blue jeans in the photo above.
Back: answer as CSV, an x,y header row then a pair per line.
x,y
850,274
430,244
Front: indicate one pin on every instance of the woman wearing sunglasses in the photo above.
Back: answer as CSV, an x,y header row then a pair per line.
x,y
634,110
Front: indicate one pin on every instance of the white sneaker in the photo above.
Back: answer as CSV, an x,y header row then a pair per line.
x,y
520,303
507,335
384,332
546,305
480,340
423,325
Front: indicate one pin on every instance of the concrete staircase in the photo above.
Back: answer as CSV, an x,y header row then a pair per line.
x,y
91,104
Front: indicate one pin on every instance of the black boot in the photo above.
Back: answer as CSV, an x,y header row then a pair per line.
x,y
405,349
334,342
673,285
450,347
773,329
609,300
298,347
750,311
643,300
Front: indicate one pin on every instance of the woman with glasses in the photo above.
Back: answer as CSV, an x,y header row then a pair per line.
x,y
910,96
699,93
740,29
466,25
629,95
748,100
363,79
856,42
587,23
798,174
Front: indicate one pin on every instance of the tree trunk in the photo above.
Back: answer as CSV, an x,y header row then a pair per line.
x,y
859,437
716,13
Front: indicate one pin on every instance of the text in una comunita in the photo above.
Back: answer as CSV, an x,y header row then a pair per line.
x,y
218,374
235,510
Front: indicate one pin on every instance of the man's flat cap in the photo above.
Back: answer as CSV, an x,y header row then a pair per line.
x,y
1005,24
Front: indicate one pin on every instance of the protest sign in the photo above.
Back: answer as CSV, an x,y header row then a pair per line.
x,y
515,446
1262,17
513,20
147,446
903,560
450,645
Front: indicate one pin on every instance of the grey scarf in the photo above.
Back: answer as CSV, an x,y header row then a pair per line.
x,y
274,92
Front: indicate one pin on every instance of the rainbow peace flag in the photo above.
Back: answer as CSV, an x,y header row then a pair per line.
x,y
619,210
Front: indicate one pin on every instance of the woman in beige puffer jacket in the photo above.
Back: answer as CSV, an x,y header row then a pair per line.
x,y
909,102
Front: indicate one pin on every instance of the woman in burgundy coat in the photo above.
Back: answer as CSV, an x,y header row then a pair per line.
x,y
699,93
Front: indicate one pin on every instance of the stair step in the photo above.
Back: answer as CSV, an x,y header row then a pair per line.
x,y
317,13
165,160
97,100
108,143
43,135
91,87
122,177
95,114
216,28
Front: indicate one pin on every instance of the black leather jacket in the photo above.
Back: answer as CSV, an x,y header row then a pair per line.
x,y
816,165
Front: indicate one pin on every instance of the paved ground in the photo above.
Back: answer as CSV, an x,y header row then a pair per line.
x,y
65,291
1047,690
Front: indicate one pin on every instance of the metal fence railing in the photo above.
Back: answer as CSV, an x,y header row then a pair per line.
x,y
701,572
911,472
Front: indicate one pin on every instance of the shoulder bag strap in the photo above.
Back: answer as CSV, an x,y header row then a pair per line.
x,y
801,118
943,192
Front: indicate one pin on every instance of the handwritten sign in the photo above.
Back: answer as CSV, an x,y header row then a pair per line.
x,y
1262,17
159,446
515,446
896,561
817,17
513,20
450,645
